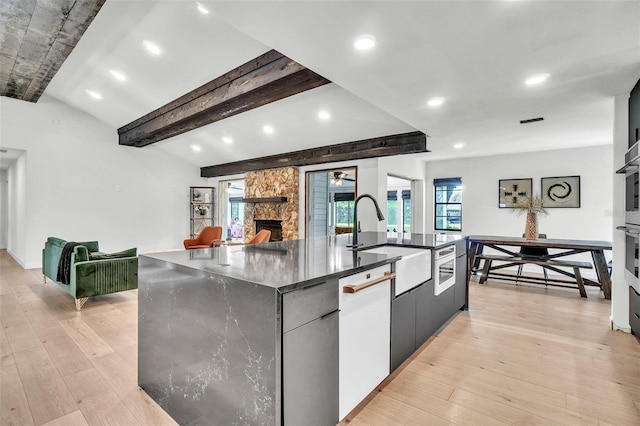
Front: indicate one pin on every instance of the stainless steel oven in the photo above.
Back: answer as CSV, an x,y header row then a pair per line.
x,y
631,171
444,268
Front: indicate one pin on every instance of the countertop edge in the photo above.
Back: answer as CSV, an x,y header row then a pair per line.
x,y
337,275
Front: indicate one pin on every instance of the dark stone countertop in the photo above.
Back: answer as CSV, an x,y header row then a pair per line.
x,y
288,265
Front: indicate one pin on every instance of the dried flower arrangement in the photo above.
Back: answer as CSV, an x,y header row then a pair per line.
x,y
532,206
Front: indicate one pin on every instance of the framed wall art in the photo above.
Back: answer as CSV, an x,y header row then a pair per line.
x,y
512,192
563,191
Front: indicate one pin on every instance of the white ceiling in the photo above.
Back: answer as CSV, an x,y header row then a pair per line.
x,y
476,54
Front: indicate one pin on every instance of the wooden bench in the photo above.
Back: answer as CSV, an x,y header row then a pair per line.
x,y
551,264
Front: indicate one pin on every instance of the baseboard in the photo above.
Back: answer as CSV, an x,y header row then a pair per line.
x,y
21,263
617,327
16,258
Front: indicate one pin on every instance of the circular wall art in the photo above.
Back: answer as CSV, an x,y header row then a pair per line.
x,y
561,191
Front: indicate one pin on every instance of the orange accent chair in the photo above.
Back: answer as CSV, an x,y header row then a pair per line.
x,y
210,236
262,236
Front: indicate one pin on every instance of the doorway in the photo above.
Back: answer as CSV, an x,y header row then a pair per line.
x,y
232,209
330,200
399,208
13,190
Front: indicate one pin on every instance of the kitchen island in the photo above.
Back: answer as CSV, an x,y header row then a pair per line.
x,y
222,330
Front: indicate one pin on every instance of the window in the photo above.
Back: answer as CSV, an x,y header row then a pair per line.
x,y
448,202
405,209
232,208
237,208
345,202
392,211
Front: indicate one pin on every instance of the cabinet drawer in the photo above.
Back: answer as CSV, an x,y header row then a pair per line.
x,y
634,311
310,372
306,304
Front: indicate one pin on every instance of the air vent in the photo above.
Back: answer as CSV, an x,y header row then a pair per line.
x,y
531,120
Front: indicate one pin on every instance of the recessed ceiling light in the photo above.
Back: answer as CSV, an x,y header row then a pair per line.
x,y
151,47
118,75
324,115
435,102
268,129
95,95
196,148
458,146
537,79
227,140
202,9
365,42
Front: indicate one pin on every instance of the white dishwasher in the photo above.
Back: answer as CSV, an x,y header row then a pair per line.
x,y
365,334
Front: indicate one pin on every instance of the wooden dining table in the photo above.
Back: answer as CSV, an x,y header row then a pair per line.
x,y
510,246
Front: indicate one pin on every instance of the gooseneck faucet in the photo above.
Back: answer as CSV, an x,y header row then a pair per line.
x,y
354,239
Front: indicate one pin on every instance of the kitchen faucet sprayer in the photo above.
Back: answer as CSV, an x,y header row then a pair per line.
x,y
354,240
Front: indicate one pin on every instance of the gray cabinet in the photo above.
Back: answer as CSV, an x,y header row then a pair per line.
x,y
634,311
432,311
403,327
426,319
444,306
310,355
634,115
415,316
460,297
310,373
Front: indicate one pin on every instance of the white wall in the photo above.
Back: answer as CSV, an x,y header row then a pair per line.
x,y
619,288
408,167
81,185
4,208
16,217
480,175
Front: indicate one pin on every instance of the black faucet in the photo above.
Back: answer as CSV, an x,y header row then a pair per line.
x,y
354,239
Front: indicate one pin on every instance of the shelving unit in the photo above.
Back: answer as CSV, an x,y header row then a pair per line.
x,y
201,208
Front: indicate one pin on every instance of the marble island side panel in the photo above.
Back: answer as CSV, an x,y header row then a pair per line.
x,y
208,350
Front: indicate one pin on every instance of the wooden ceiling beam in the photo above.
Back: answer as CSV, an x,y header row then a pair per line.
x,y
265,79
404,143
37,37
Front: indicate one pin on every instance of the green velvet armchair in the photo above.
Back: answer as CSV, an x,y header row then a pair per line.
x,y
91,273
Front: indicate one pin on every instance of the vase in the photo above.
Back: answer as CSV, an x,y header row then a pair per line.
x,y
531,228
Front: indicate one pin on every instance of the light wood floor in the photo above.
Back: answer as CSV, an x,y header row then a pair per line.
x,y
520,356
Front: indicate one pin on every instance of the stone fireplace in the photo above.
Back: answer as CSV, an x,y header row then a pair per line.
x,y
273,183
